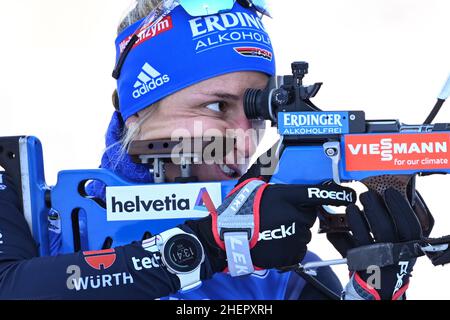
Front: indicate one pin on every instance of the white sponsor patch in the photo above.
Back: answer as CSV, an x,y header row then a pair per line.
x,y
157,202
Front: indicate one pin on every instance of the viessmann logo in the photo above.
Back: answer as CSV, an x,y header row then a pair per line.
x,y
397,151
154,202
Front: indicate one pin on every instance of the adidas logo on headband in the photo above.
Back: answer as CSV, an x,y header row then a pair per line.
x,y
148,80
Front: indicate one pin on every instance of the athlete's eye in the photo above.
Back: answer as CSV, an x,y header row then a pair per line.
x,y
216,106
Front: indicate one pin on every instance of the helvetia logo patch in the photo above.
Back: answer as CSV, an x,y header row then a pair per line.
x,y
148,80
155,202
199,204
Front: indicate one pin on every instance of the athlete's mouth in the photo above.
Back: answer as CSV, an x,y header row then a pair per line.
x,y
230,170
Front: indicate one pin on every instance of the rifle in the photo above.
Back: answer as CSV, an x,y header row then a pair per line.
x,y
315,147
319,146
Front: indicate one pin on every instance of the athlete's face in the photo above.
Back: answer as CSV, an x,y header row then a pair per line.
x,y
205,109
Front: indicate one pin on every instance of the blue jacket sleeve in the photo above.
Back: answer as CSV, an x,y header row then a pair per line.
x,y
127,272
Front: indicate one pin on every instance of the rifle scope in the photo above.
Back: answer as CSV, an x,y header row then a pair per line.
x,y
282,94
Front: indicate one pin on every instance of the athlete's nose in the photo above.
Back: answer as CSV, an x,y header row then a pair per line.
x,y
243,134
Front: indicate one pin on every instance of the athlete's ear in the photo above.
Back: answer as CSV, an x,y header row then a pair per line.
x,y
132,120
115,101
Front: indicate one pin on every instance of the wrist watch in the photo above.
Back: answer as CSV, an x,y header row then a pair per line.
x,y
182,254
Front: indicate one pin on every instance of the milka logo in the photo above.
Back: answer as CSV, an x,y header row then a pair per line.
x,y
148,80
203,25
386,148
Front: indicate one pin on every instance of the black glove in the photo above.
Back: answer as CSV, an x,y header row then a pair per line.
x,y
282,216
390,220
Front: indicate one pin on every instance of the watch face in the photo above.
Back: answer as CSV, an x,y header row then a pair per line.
x,y
183,253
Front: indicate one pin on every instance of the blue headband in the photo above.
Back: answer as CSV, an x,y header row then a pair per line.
x,y
181,50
